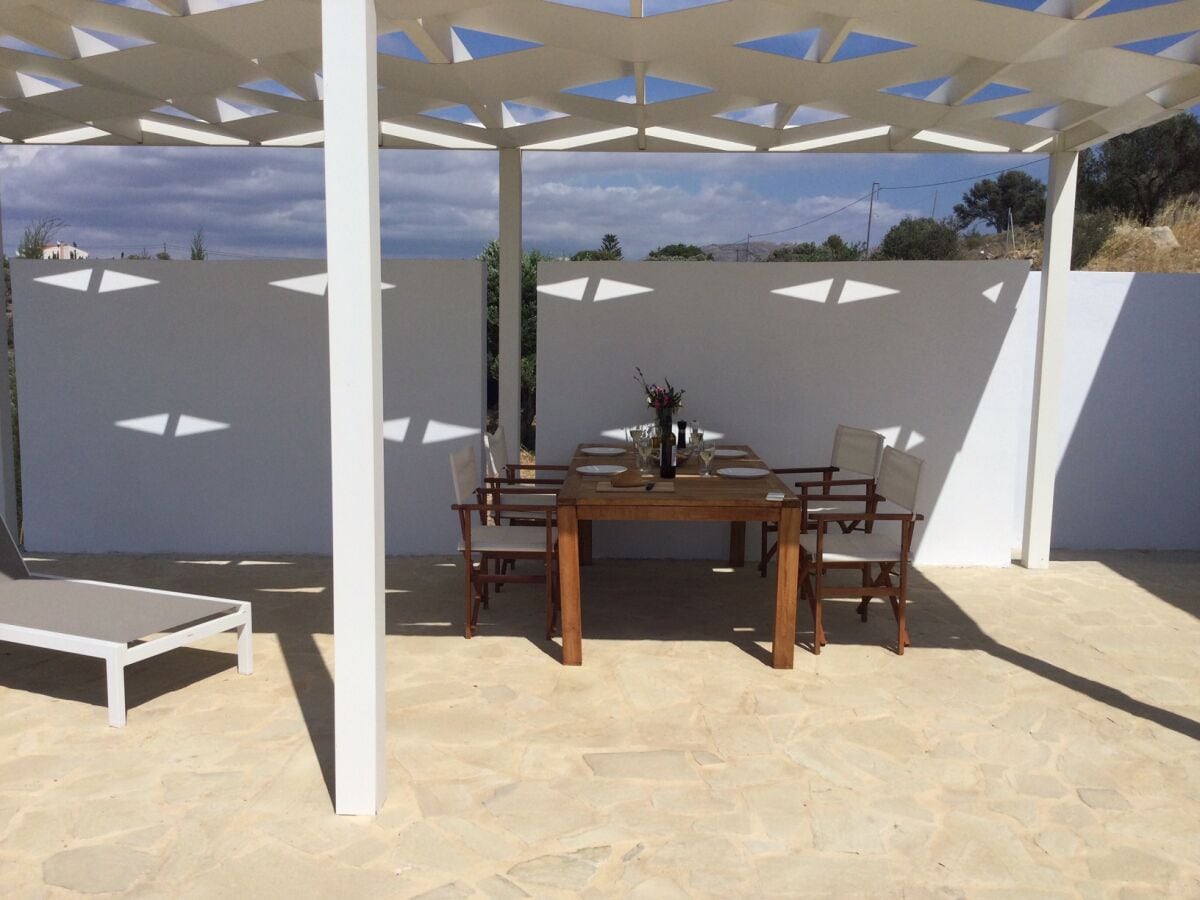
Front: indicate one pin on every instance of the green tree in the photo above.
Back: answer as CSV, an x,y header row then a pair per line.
x,y
610,249
834,249
529,264
163,254
1091,232
992,201
923,238
198,250
686,252
38,235
1135,174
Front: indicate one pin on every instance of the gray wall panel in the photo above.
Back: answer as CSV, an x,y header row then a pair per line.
x,y
218,342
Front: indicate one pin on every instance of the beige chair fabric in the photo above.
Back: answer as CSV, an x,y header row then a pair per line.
x,y
856,452
899,477
496,447
465,471
881,559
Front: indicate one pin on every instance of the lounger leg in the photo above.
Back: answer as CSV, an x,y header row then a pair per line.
x,y
245,646
115,664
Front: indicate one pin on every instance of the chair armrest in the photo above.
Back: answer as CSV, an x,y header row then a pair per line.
x,y
806,470
513,468
841,482
517,482
501,507
823,518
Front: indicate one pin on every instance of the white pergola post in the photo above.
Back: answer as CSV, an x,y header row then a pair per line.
x,y
348,35
509,361
1047,376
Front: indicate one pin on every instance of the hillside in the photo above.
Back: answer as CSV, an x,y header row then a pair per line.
x,y
1132,248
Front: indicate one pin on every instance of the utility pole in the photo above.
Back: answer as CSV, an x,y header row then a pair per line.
x,y
870,216
933,212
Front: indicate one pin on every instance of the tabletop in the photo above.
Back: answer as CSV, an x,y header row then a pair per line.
x,y
691,489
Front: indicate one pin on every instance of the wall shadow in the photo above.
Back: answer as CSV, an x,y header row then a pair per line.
x,y
1127,477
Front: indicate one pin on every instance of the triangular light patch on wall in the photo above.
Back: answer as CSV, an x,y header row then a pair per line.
x,y
396,430
568,290
189,425
72,281
121,281
609,289
863,290
436,432
156,424
817,291
305,284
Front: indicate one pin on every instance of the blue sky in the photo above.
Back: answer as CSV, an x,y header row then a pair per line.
x,y
269,202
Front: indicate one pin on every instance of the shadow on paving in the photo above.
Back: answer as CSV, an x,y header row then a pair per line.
x,y
1157,572
622,600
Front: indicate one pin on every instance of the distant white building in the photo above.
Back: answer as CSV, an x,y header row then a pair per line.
x,y
63,251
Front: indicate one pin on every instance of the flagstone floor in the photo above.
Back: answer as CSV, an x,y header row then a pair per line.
x,y
1040,738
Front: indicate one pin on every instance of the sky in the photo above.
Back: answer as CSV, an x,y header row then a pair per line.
x,y
269,202
259,202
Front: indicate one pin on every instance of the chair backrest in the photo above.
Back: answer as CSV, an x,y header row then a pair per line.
x,y
465,472
12,565
857,450
496,447
899,477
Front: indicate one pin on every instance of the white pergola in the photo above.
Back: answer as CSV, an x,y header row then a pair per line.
x,y
863,76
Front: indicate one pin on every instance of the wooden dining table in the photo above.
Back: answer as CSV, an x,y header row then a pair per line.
x,y
694,499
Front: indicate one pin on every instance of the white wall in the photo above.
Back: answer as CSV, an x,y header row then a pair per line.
x,y
218,341
1130,423
780,372
937,366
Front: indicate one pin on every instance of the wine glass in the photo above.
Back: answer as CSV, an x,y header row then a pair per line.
x,y
708,449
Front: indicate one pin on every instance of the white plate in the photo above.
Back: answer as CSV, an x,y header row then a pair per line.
x,y
600,470
602,451
729,454
743,472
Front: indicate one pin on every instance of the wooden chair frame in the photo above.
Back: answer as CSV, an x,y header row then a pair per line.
x,y
479,579
826,483
813,567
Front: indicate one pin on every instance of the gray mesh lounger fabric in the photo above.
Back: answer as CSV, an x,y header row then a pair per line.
x,y
114,622
101,612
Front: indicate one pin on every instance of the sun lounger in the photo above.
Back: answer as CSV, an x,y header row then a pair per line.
x,y
114,622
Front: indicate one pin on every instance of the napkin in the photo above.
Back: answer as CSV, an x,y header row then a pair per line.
x,y
628,478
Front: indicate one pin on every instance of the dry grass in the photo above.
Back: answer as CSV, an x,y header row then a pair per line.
x,y
1130,249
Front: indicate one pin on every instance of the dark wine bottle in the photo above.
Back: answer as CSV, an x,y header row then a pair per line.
x,y
666,449
682,427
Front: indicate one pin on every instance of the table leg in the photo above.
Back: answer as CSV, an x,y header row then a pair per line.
x,y
568,585
585,542
737,544
784,644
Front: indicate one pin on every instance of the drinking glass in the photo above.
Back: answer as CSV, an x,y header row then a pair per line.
x,y
707,450
644,447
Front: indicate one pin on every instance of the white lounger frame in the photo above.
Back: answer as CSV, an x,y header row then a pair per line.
x,y
118,655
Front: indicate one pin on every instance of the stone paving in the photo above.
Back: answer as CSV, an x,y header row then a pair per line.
x,y
1039,739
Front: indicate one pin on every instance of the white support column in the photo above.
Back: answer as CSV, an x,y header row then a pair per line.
x,y
510,299
348,33
1044,448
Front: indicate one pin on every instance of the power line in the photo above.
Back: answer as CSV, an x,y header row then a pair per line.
x,y
812,221
893,187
